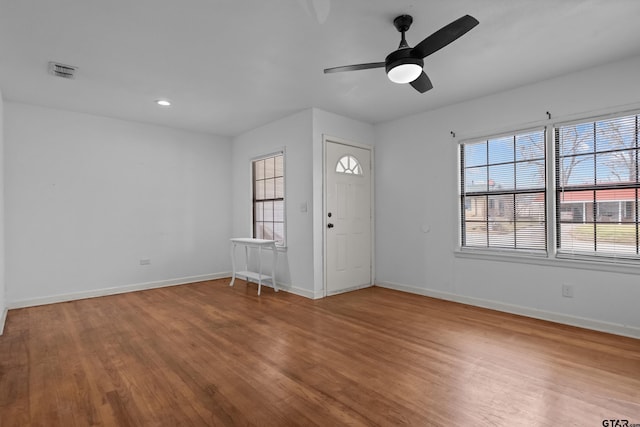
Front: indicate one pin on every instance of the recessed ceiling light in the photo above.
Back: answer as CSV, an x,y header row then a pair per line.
x,y
163,102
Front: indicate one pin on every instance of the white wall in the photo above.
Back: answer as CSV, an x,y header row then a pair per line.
x,y
88,197
293,134
416,205
300,265
3,306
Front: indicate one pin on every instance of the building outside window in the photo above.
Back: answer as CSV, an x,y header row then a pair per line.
x,y
503,192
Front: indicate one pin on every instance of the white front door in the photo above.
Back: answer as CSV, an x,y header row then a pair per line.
x,y
347,217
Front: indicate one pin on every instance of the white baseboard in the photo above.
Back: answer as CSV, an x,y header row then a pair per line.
x,y
355,288
294,290
297,291
51,299
318,294
582,322
3,318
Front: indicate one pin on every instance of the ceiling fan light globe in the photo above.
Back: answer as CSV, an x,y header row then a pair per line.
x,y
404,73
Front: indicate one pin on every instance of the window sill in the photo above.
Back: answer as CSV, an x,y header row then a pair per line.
x,y
624,266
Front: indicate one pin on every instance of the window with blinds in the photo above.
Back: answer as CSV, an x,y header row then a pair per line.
x,y
503,196
597,187
268,198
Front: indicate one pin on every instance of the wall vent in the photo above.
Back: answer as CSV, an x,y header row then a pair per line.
x,y
62,70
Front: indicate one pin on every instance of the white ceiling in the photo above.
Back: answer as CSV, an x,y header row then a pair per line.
x,y
232,65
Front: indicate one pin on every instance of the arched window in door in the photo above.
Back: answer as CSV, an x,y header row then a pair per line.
x,y
349,165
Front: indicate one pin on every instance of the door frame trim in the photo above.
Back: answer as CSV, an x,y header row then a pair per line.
x,y
326,139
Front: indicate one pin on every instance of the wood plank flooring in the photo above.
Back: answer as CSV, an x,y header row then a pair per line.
x,y
208,354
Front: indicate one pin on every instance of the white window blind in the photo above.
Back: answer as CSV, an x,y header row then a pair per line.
x,y
268,198
597,187
503,196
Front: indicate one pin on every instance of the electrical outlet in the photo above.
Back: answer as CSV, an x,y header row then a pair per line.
x,y
567,291
145,261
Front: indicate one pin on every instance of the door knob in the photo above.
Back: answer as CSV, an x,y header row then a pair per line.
x,y
329,225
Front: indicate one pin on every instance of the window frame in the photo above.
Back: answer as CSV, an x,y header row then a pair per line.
x,y
552,257
501,194
558,187
254,199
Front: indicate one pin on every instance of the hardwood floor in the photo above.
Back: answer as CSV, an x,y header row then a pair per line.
x,y
208,354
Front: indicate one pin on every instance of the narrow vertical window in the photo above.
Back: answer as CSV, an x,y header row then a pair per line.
x,y
502,195
268,198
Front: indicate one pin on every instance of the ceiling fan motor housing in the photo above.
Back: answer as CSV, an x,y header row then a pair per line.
x,y
400,57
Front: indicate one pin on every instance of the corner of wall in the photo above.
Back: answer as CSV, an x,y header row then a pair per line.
x,y
3,318
3,309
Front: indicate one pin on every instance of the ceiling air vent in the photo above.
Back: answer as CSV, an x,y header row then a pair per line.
x,y
62,70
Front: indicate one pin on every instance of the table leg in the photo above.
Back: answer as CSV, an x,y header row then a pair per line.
x,y
233,263
259,268
273,268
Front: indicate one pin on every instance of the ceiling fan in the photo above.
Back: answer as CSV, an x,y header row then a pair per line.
x,y
404,65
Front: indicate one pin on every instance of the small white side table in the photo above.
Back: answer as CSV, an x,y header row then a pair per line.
x,y
257,276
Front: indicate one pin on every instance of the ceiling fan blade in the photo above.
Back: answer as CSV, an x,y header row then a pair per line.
x,y
422,83
444,36
354,67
